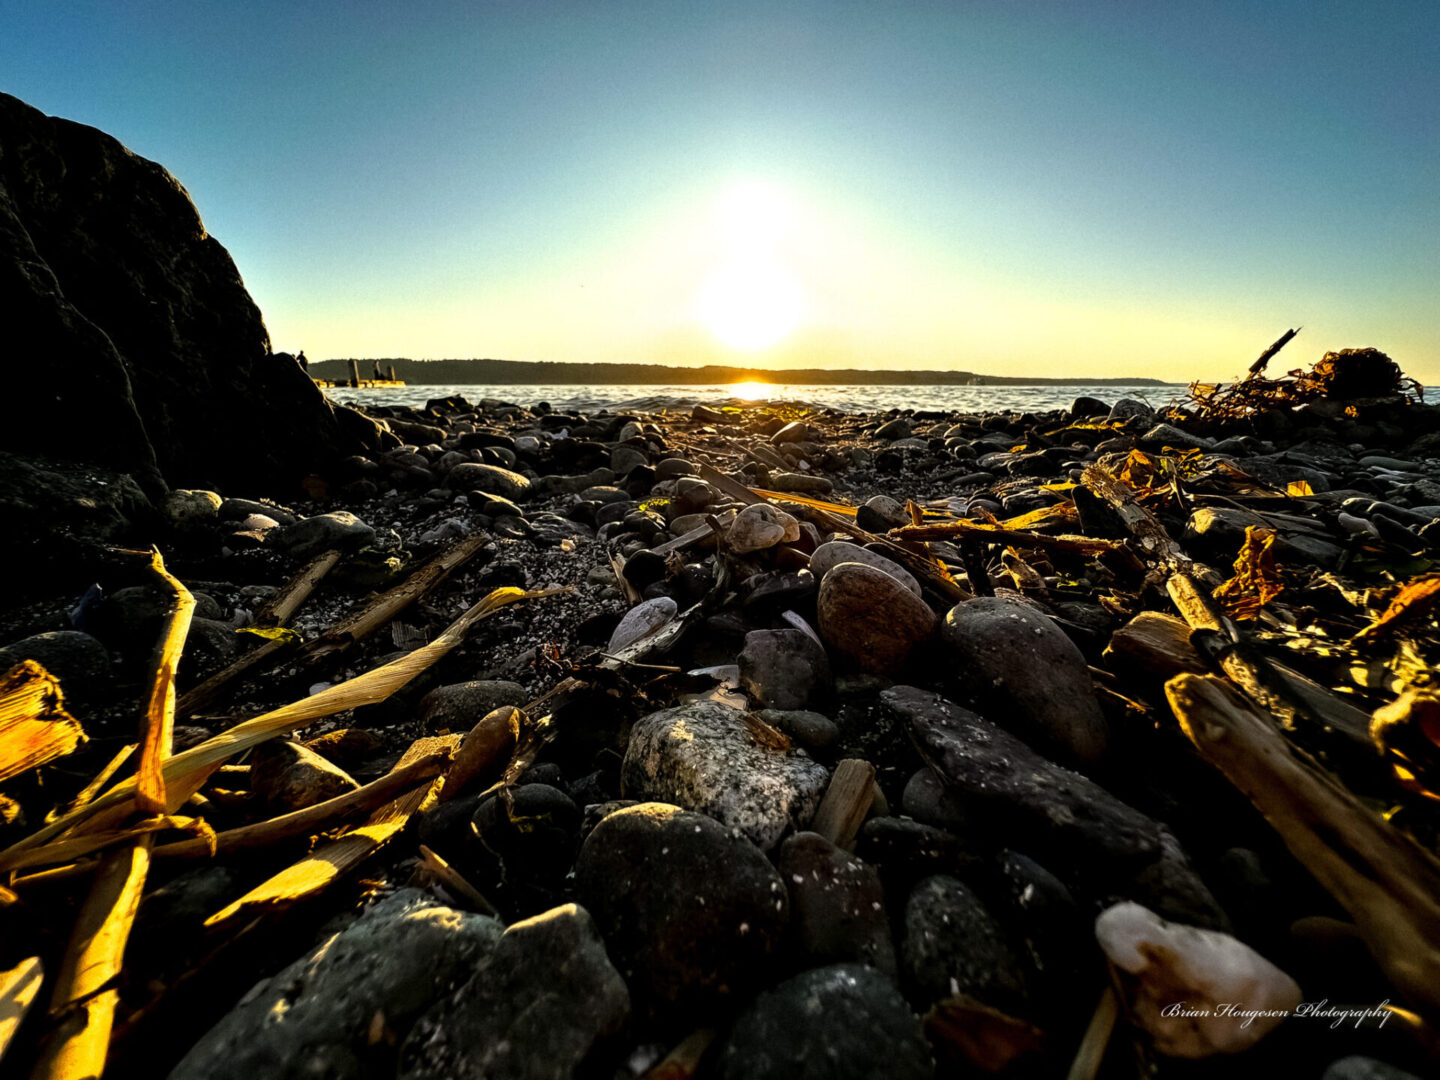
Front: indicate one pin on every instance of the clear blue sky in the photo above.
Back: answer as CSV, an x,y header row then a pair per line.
x,y
1125,188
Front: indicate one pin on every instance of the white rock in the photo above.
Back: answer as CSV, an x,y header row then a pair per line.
x,y
836,552
761,526
641,621
716,760
1197,992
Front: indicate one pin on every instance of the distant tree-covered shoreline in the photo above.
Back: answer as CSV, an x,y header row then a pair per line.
x,y
552,373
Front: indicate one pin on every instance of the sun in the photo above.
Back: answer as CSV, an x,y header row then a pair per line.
x,y
752,300
751,303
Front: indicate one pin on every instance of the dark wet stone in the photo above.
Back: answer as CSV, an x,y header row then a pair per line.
x,y
846,1022
807,728
78,660
289,776
545,1004
953,945
690,910
1103,848
490,479
310,536
837,905
784,669
1024,668
460,706
315,1017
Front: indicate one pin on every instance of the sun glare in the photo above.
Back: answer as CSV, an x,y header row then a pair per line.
x,y
752,391
751,301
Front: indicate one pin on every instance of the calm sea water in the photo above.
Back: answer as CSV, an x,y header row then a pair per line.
x,y
855,399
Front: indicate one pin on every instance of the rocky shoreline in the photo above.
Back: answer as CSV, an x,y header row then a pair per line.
x,y
760,786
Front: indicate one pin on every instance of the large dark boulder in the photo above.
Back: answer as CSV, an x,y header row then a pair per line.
x,y
131,340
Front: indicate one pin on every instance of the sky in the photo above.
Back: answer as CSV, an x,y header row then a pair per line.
x,y
1083,188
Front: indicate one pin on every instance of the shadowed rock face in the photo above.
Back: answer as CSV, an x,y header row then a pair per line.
x,y
131,339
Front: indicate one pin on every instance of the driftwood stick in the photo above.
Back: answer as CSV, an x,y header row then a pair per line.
x,y
210,689
453,880
84,999
1097,1038
1156,547
34,726
846,802
1269,354
1388,884
1290,696
683,1062
160,705
379,611
103,777
297,590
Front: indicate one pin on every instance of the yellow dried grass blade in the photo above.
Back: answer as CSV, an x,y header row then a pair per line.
x,y
818,504
368,689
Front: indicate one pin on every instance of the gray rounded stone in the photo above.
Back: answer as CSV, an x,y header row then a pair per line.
x,y
78,660
460,706
491,479
641,621
312,535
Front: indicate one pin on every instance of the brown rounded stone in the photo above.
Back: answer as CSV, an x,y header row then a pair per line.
x,y
871,618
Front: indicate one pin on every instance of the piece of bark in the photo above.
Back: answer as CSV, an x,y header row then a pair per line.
x,y
846,801
1154,646
34,726
1388,884
317,871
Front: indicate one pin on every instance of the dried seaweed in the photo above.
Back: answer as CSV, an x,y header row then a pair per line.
x,y
1345,377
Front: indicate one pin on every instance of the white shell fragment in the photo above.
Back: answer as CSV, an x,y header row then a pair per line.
x,y
1197,992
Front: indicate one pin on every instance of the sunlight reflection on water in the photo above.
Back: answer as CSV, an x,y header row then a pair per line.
x,y
853,398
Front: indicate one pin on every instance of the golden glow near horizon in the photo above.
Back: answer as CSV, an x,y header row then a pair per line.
x,y
752,300
752,391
